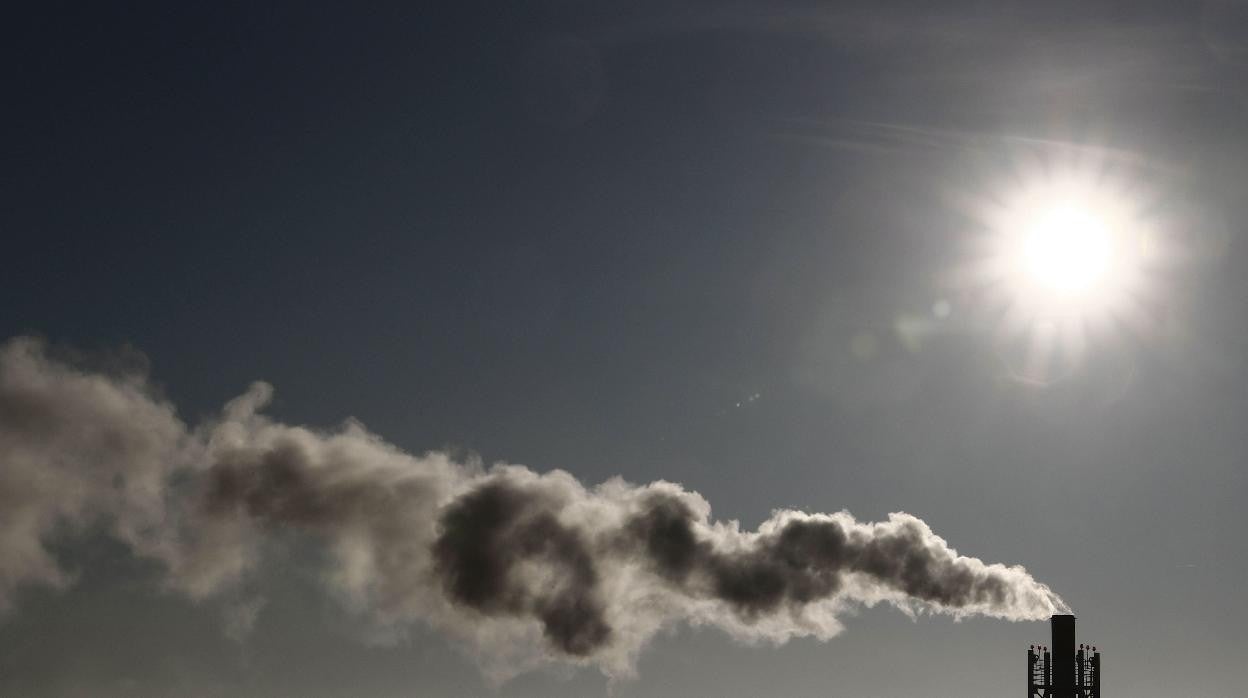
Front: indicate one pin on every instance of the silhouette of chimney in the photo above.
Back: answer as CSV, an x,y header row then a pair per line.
x,y
1063,657
1061,671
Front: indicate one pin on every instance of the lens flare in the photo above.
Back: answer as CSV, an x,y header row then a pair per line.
x,y
1068,252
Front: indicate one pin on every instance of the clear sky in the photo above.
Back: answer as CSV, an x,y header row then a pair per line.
x,y
738,246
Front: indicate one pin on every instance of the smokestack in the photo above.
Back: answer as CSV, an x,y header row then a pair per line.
x,y
1063,656
1063,672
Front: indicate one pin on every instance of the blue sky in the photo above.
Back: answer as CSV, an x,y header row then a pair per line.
x,y
678,241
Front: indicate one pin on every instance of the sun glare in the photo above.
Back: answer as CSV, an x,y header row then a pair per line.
x,y
1066,249
1068,253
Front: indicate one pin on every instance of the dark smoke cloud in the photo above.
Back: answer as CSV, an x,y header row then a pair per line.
x,y
519,567
804,559
489,532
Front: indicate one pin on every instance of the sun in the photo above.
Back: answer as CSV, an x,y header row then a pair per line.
x,y
1066,249
1066,257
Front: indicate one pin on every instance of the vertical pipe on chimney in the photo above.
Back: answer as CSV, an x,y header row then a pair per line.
x,y
1048,673
1031,670
1096,675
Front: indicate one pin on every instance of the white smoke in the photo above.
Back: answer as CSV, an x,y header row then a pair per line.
x,y
519,567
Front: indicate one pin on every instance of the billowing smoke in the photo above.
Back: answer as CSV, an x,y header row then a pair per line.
x,y
521,568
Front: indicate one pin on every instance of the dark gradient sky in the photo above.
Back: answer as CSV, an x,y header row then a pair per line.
x,y
674,240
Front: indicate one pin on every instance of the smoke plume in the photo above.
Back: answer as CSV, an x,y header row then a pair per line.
x,y
521,568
